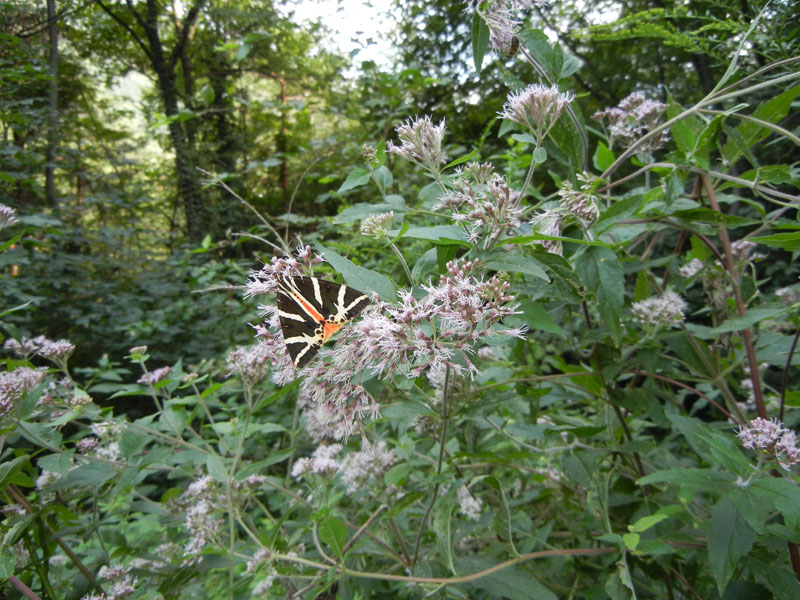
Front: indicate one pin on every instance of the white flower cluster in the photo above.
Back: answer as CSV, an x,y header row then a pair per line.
x,y
356,469
469,505
691,268
660,311
377,226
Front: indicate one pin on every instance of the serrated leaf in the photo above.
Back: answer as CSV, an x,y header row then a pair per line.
x,y
84,476
216,468
7,562
384,177
518,264
511,583
9,468
360,278
403,503
535,315
707,215
787,241
441,526
695,479
333,532
441,234
276,395
729,539
396,474
750,318
362,209
601,272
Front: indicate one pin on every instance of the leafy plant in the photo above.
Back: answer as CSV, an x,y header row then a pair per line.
x,y
583,393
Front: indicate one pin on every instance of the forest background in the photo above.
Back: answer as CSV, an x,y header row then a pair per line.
x,y
595,377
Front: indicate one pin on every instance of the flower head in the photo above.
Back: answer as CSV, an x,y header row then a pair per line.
x,y
501,20
537,107
771,439
691,268
14,384
549,223
377,226
485,206
7,217
660,311
635,116
153,377
358,468
421,142
581,204
469,505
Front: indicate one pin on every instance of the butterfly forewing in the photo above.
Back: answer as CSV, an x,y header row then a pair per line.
x,y
311,310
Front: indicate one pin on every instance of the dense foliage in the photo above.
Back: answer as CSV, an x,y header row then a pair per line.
x,y
577,373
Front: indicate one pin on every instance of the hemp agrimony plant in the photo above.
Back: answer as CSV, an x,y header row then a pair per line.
x,y
575,379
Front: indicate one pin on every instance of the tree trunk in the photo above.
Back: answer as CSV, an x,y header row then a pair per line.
x,y
52,134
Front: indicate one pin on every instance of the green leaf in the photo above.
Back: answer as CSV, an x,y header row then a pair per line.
x,y
510,583
425,265
358,277
356,178
216,468
685,131
647,522
480,40
276,395
782,495
787,241
707,215
631,540
784,583
441,526
7,562
772,111
535,315
714,446
518,264
539,155
363,209
175,419
403,503
462,159
601,272
84,476
9,468
333,532
441,234
384,177
694,479
750,318
729,539
603,157
396,474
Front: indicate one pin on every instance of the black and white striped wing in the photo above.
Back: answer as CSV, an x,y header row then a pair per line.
x,y
311,310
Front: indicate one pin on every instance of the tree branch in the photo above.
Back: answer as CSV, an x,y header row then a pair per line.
x,y
127,27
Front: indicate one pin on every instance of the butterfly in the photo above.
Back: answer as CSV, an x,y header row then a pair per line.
x,y
311,310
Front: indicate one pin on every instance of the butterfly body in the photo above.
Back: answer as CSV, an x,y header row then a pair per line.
x,y
311,310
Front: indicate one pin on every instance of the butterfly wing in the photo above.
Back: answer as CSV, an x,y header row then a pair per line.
x,y
311,310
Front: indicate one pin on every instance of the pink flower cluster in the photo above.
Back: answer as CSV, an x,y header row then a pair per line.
x,y
483,203
772,439
437,330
